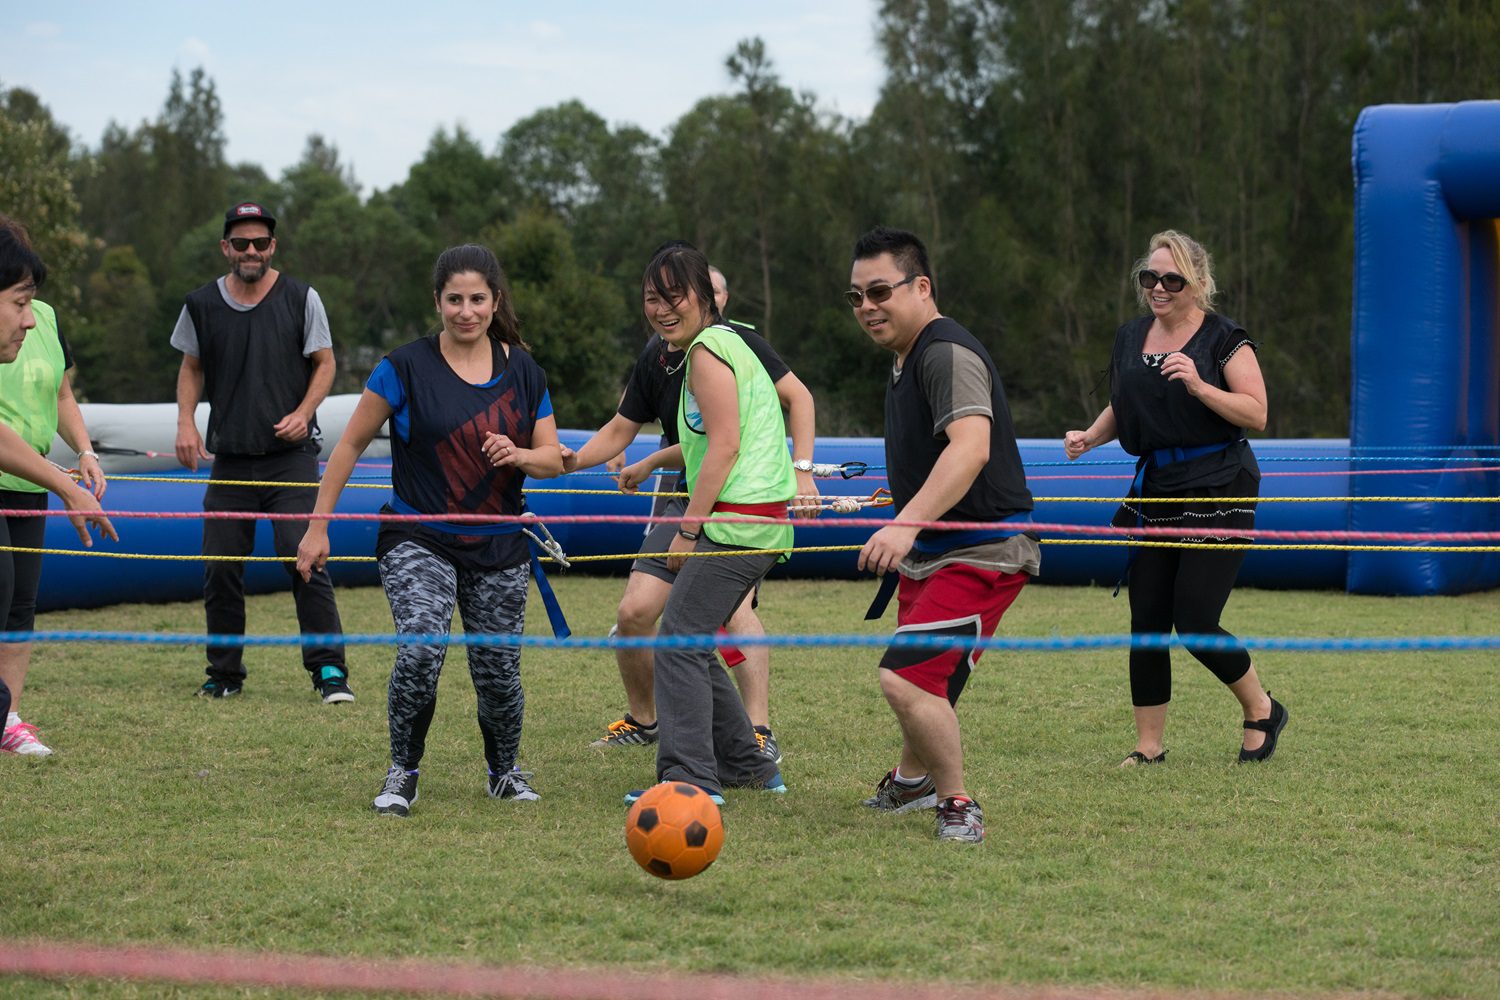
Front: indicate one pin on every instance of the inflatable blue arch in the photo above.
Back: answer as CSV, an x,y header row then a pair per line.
x,y
1426,357
1426,339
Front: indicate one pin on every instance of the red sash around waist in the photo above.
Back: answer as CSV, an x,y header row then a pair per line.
x,y
775,509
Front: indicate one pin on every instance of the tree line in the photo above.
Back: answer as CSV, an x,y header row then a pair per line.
x,y
1034,144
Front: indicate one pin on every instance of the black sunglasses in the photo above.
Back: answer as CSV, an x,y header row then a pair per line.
x,y
1171,281
876,293
243,243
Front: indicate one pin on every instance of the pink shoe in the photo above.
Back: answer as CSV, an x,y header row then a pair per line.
x,y
21,739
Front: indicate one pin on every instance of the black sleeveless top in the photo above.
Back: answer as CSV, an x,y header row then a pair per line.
x,y
911,449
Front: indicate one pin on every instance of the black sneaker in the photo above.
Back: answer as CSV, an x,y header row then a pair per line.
x,y
512,784
625,733
398,794
215,688
332,684
767,745
960,820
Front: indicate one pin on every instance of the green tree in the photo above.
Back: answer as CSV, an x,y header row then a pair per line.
x,y
119,354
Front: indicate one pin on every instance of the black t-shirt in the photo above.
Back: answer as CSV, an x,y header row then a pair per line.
x,y
655,384
438,466
1153,412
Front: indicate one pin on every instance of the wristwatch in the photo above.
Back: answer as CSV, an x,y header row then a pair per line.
x,y
803,465
691,536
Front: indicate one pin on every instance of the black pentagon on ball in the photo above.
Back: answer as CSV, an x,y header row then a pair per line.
x,y
695,834
683,788
660,867
647,820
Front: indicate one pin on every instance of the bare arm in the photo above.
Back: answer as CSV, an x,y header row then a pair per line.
x,y
189,391
801,423
962,459
1101,431
610,440
18,458
370,414
74,431
295,425
633,475
1243,403
713,385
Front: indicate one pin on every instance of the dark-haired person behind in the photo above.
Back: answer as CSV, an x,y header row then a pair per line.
x,y
21,274
736,464
951,452
1184,384
470,418
37,402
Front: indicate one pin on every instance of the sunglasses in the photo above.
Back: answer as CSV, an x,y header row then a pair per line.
x,y
243,243
1171,281
876,293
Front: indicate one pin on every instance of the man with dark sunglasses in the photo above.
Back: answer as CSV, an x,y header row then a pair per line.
x,y
256,347
951,455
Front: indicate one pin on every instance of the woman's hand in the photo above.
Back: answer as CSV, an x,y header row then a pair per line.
x,y
502,451
1178,367
808,497
83,511
91,476
1075,443
312,551
631,476
679,546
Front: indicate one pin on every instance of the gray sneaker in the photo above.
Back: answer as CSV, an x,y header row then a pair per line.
x,y
512,784
893,797
960,820
766,745
626,732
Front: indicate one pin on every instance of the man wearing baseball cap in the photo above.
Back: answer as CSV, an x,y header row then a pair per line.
x,y
256,347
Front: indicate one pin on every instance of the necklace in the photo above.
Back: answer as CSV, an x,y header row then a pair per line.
x,y
661,359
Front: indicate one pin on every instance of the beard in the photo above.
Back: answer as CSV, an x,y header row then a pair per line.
x,y
250,271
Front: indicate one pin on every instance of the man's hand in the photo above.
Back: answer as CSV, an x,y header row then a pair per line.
x,y
886,548
292,427
190,447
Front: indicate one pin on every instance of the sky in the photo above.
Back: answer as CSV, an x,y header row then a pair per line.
x,y
376,79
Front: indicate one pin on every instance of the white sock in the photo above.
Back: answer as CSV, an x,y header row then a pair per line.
x,y
12,720
901,779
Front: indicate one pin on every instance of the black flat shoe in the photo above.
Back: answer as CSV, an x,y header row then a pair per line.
x,y
1272,727
1135,758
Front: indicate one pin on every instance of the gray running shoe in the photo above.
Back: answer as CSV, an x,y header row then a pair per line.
x,y
626,733
398,794
513,784
893,797
960,820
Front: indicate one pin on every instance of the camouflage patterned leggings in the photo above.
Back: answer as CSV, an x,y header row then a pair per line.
x,y
423,589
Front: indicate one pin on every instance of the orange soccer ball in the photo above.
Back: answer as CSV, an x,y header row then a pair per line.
x,y
674,830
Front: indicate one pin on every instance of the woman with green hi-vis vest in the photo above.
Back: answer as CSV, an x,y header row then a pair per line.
x,y
735,454
36,402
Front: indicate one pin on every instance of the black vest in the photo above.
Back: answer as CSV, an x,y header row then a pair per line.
x,y
254,372
911,450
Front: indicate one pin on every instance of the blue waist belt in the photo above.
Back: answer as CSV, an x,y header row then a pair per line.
x,y
948,541
1155,460
549,599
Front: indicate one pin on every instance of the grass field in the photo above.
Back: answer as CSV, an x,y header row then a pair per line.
x,y
1363,857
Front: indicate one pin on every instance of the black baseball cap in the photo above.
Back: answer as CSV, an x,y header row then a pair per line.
x,y
248,211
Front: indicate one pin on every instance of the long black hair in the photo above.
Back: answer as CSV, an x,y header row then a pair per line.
x,y
504,326
19,264
676,268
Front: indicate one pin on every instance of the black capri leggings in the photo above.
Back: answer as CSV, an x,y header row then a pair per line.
x,y
20,572
1185,589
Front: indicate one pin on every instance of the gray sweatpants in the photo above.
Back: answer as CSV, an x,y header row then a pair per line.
x,y
706,737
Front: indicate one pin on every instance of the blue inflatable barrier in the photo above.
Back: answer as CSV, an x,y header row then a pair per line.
x,y
70,581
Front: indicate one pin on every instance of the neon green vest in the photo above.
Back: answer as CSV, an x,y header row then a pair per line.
x,y
763,472
28,391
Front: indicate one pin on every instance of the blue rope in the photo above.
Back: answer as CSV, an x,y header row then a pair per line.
x,y
901,640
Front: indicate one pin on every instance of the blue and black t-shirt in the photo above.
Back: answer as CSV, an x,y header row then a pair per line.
x,y
438,428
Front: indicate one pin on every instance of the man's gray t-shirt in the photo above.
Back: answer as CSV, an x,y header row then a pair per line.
x,y
315,333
